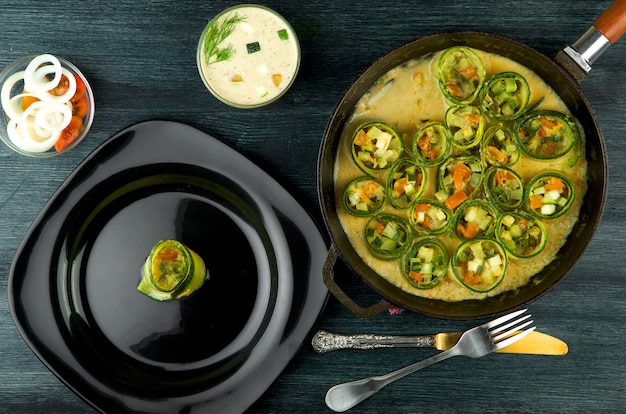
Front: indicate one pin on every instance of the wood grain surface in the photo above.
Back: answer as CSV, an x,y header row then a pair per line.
x,y
140,59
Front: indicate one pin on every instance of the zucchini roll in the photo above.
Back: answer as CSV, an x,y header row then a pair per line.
x,y
522,235
499,147
459,179
405,182
461,74
545,135
466,125
480,264
429,216
549,195
171,271
476,218
375,146
505,96
387,236
431,143
504,188
426,263
363,196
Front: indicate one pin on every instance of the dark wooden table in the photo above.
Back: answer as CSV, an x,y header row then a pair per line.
x,y
140,59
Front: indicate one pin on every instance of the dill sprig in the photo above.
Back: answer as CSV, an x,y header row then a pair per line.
x,y
216,33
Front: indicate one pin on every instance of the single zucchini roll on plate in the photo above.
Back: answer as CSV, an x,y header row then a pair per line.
x,y
363,196
431,144
545,135
429,216
375,146
549,195
426,263
476,218
522,235
480,264
387,236
460,178
504,188
405,182
505,96
499,147
466,125
461,74
172,271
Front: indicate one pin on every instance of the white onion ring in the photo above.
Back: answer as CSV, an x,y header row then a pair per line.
x,y
5,95
35,76
54,116
67,95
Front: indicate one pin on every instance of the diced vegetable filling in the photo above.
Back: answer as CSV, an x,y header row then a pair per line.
x,y
376,148
428,264
506,187
385,236
549,197
522,236
430,142
506,95
364,195
465,124
546,134
405,184
429,217
500,147
481,263
474,221
461,74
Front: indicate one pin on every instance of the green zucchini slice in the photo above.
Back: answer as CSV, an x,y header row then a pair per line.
x,y
375,146
405,182
476,218
504,188
429,216
426,263
466,125
431,144
549,195
461,74
522,235
499,147
460,178
387,236
479,264
545,135
172,271
363,196
505,96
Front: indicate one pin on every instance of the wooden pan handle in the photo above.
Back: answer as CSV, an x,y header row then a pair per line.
x,y
612,23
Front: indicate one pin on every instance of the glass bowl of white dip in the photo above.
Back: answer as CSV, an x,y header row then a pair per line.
x,y
248,56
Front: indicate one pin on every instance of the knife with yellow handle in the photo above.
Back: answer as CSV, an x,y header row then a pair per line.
x,y
536,343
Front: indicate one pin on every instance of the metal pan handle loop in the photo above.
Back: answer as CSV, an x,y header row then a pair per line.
x,y
341,296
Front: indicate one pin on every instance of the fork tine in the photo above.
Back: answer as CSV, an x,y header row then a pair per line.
x,y
513,339
503,319
508,325
510,332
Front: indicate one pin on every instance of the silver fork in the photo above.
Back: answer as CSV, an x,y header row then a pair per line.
x,y
474,343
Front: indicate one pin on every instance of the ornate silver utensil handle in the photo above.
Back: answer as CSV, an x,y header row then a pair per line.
x,y
324,341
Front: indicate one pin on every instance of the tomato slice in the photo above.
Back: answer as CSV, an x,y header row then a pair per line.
x,y
80,107
61,88
70,133
81,89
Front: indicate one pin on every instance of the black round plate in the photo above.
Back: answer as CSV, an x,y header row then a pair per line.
x,y
73,283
